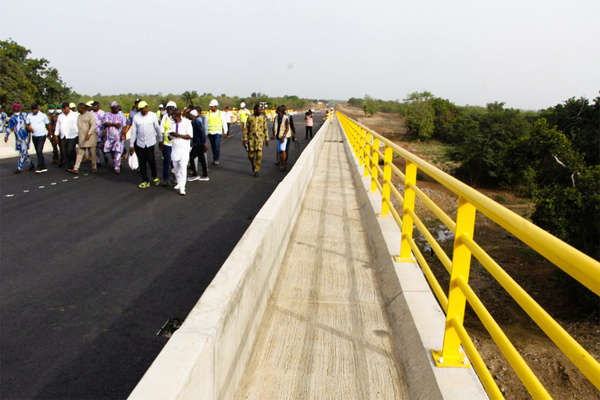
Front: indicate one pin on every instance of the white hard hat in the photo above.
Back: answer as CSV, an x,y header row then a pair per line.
x,y
160,106
242,105
194,113
171,103
213,103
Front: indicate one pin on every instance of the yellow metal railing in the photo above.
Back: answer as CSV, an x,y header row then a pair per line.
x,y
366,145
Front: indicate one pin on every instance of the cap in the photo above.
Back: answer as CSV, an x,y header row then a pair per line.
x,y
90,103
114,104
161,106
194,113
171,103
242,105
72,105
142,104
16,106
213,103
51,106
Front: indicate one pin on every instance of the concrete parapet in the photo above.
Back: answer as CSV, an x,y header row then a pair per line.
x,y
415,317
206,357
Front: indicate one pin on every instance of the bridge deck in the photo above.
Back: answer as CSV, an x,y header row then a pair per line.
x,y
325,334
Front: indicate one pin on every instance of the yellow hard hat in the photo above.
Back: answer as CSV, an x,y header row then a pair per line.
x,y
72,105
142,104
89,103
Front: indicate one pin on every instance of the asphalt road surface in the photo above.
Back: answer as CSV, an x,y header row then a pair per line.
x,y
92,267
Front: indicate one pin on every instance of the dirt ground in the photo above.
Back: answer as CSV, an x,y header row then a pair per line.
x,y
555,291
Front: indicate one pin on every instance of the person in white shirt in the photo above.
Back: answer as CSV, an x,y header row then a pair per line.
x,y
38,124
145,133
228,120
66,130
180,134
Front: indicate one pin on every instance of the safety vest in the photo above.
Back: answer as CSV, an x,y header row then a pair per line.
x,y
215,122
243,116
167,125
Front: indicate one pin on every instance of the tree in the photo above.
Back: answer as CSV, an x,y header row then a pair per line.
x,y
14,85
420,115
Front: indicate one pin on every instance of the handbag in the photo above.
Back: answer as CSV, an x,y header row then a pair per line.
x,y
133,162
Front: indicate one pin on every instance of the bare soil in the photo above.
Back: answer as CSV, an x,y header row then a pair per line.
x,y
556,292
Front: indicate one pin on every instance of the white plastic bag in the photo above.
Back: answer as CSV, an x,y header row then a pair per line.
x,y
133,162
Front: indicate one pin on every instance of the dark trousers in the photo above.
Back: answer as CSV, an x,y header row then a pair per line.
x,y
215,145
229,133
68,152
146,156
166,152
198,151
309,132
55,155
38,143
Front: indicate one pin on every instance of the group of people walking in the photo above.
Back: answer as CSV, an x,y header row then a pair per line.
x,y
82,131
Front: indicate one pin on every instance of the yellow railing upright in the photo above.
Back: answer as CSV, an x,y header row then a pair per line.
x,y
365,144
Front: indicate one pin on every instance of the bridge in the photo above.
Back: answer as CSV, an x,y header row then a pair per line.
x,y
328,295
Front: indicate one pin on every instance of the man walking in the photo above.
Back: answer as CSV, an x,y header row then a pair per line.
x,y
281,132
52,116
38,124
198,146
3,120
66,129
100,133
145,132
18,126
217,127
180,133
86,126
243,115
165,143
114,122
254,135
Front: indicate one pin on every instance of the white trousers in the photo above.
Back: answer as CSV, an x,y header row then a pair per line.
x,y
180,171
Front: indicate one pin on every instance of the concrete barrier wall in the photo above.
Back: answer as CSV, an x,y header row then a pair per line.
x,y
415,317
206,357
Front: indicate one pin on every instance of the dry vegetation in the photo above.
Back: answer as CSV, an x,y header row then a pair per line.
x,y
542,280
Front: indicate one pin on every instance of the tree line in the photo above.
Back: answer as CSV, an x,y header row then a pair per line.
x,y
552,155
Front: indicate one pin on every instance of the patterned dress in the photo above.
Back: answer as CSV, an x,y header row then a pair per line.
x,y
17,124
113,143
99,133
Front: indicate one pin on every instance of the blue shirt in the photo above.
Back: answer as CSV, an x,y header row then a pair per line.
x,y
17,124
199,125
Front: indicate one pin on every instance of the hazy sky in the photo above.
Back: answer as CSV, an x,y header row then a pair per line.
x,y
527,53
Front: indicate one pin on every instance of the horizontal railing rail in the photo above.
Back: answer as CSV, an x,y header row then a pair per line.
x,y
366,145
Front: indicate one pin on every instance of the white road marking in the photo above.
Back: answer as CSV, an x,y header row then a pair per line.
x,y
10,195
65,180
25,191
75,177
53,183
41,187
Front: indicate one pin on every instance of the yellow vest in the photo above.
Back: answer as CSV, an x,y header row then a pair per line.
x,y
243,116
166,126
215,122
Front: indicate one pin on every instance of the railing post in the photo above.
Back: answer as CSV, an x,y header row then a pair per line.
x,y
450,355
374,164
388,155
410,179
361,146
367,153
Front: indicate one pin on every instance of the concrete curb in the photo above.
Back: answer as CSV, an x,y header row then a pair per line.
x,y
414,314
206,357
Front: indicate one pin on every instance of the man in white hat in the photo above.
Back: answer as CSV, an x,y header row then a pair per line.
x,y
217,127
180,133
145,132
165,144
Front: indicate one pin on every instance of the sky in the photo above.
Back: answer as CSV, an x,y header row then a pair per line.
x,y
530,54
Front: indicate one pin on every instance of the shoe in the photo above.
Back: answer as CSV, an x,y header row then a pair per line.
x,y
43,170
117,171
144,185
176,187
256,174
38,171
72,171
204,178
217,163
156,181
193,178
182,192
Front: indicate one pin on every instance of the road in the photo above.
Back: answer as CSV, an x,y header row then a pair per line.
x,y
92,267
